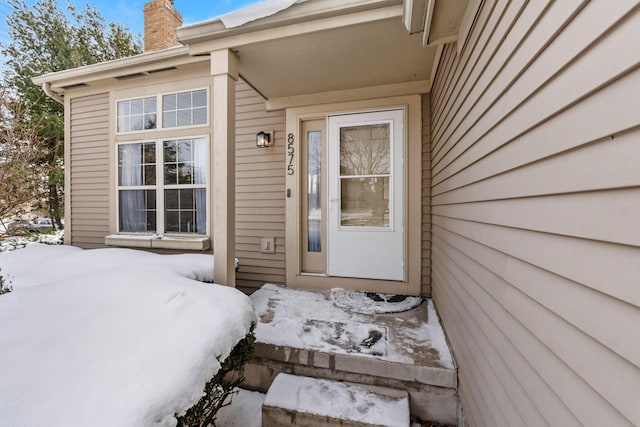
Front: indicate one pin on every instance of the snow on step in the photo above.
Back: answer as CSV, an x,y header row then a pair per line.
x,y
296,400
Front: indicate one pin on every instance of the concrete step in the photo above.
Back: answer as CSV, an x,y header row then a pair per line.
x,y
311,402
305,333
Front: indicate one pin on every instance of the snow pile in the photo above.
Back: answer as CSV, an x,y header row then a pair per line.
x,y
256,11
111,337
245,410
10,243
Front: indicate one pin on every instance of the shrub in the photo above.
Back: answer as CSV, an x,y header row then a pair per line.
x,y
4,289
219,390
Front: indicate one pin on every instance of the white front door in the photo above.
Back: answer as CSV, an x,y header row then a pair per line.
x,y
365,224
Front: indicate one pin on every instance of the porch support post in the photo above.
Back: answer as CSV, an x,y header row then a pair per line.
x,y
224,73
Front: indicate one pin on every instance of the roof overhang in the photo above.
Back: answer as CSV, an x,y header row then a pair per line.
x,y
119,69
307,47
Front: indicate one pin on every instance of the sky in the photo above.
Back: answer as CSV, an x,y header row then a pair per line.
x,y
129,12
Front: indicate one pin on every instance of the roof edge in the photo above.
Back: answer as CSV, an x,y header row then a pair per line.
x,y
297,13
146,58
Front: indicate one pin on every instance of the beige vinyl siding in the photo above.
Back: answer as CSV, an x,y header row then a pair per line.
x,y
89,170
535,206
260,191
426,198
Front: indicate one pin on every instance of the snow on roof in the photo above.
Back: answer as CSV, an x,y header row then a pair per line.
x,y
256,11
111,337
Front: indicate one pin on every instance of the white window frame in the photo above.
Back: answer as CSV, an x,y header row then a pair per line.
x,y
160,186
159,123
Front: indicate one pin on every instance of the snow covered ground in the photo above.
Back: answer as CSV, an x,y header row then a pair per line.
x,y
111,337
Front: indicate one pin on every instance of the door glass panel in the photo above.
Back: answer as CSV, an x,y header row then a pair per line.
x,y
364,150
314,191
365,172
364,202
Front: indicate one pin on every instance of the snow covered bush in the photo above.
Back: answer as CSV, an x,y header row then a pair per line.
x,y
115,337
219,390
4,289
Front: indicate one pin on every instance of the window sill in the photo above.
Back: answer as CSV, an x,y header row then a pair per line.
x,y
158,242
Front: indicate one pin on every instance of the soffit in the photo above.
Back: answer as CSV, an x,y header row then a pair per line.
x,y
363,55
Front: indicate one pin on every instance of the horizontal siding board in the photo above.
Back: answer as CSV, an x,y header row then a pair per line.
x,y
486,362
574,170
535,243
512,116
260,188
89,170
493,80
573,306
477,323
557,214
498,298
602,266
488,15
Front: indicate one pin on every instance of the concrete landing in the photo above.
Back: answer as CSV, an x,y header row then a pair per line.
x,y
303,333
304,401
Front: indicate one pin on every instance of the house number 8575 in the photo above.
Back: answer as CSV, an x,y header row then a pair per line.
x,y
290,151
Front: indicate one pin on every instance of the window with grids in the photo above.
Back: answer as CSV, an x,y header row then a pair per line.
x,y
188,108
184,108
162,186
137,114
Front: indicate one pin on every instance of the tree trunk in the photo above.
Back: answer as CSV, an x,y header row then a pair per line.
x,y
54,206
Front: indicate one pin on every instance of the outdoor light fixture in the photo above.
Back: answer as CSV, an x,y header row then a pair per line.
x,y
264,139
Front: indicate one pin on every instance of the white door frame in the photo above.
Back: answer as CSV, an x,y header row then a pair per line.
x,y
413,200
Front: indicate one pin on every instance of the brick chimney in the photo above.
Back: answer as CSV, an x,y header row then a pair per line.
x,y
160,22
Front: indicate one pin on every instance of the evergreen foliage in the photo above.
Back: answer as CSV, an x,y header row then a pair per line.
x,y
45,38
219,390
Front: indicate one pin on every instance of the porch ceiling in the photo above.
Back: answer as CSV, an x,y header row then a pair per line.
x,y
362,55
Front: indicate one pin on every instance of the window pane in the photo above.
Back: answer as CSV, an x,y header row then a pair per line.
x,y
186,199
199,116
314,191
187,223
136,206
172,221
124,124
169,119
149,150
184,100
149,121
136,106
184,173
130,164
150,105
170,151
137,114
184,117
365,150
201,210
184,150
136,164
124,108
137,122
199,149
185,210
200,98
150,175
170,173
171,199
169,102
364,202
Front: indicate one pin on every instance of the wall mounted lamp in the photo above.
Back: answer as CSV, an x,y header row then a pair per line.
x,y
264,139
